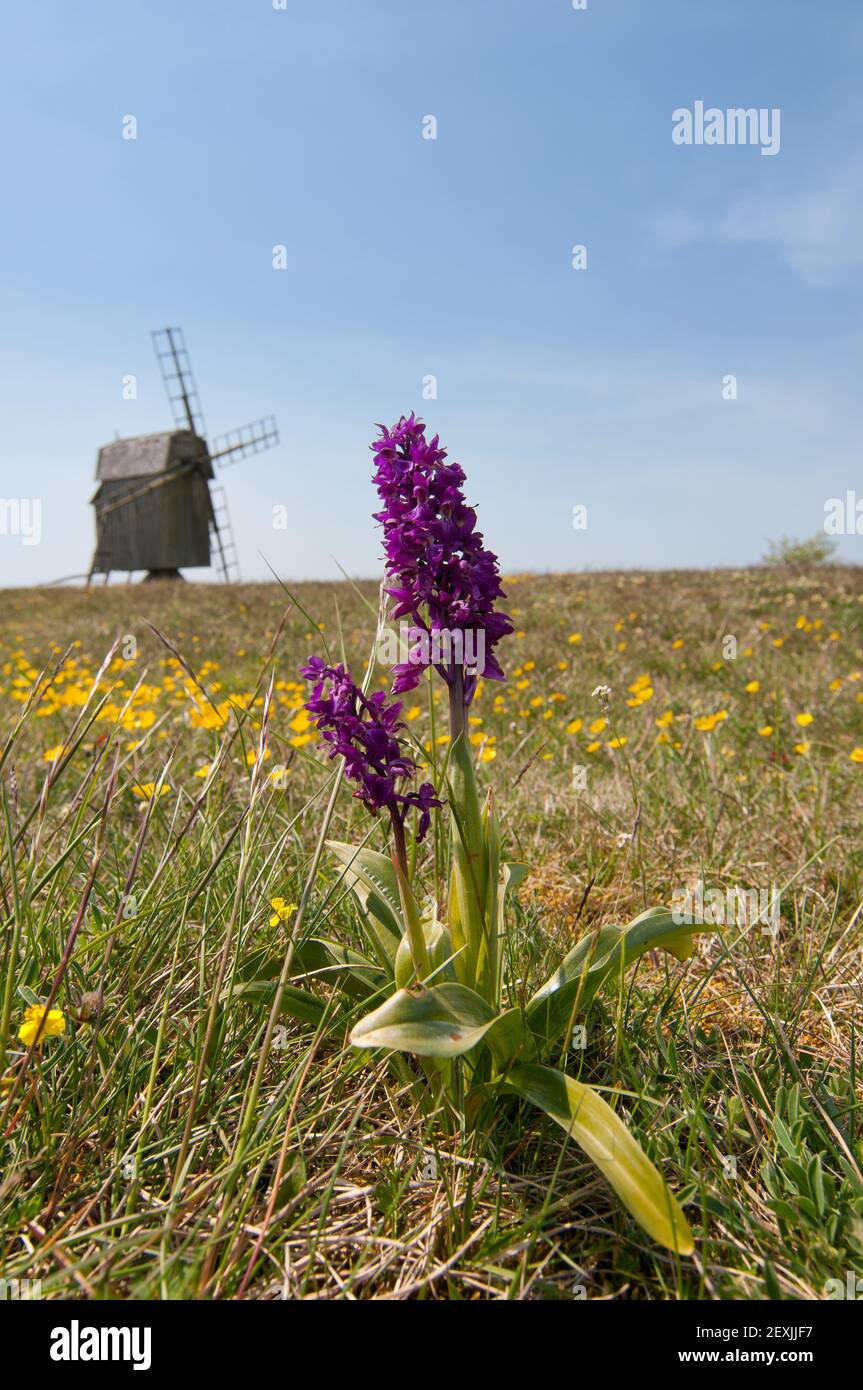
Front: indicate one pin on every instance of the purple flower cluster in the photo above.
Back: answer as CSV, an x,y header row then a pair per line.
x,y
441,573
363,730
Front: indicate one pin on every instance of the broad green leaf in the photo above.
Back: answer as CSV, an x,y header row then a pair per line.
x,y
577,978
444,1021
509,1037
372,879
413,925
334,964
608,1143
487,956
599,957
329,961
262,964
511,875
470,863
440,951
297,1003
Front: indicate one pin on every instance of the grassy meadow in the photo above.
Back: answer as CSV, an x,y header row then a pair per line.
x,y
162,805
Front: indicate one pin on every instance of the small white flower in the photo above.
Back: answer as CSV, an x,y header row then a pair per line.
x,y
603,694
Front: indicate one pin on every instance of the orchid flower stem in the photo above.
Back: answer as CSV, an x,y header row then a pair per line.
x,y
399,841
410,911
456,703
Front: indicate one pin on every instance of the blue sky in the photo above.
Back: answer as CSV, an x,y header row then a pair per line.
x,y
409,258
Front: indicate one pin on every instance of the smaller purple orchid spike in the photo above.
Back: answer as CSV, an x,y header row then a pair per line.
x,y
364,731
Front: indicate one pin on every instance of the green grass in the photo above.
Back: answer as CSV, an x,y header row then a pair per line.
x,y
153,1152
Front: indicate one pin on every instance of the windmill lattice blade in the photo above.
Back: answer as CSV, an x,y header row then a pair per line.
x,y
222,534
248,439
169,346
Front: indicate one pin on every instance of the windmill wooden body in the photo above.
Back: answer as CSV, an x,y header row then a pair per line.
x,y
158,507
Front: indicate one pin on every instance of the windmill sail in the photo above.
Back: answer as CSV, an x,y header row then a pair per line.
x,y
170,349
248,439
227,563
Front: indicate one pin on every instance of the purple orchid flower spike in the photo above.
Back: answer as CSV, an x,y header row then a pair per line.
x,y
364,731
441,576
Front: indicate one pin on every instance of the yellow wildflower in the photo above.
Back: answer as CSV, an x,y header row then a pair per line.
x,y
53,1027
282,911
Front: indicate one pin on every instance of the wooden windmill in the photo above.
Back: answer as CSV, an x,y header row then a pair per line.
x,y
157,506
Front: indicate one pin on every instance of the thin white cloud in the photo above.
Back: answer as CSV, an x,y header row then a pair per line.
x,y
816,233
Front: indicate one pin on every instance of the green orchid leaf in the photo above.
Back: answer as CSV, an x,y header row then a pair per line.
x,y
329,961
509,1038
297,1003
372,879
261,964
444,1021
334,964
412,919
550,1009
469,863
608,1143
487,955
510,876
440,952
600,957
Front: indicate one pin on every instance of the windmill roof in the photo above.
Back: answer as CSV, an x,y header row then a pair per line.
x,y
146,455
